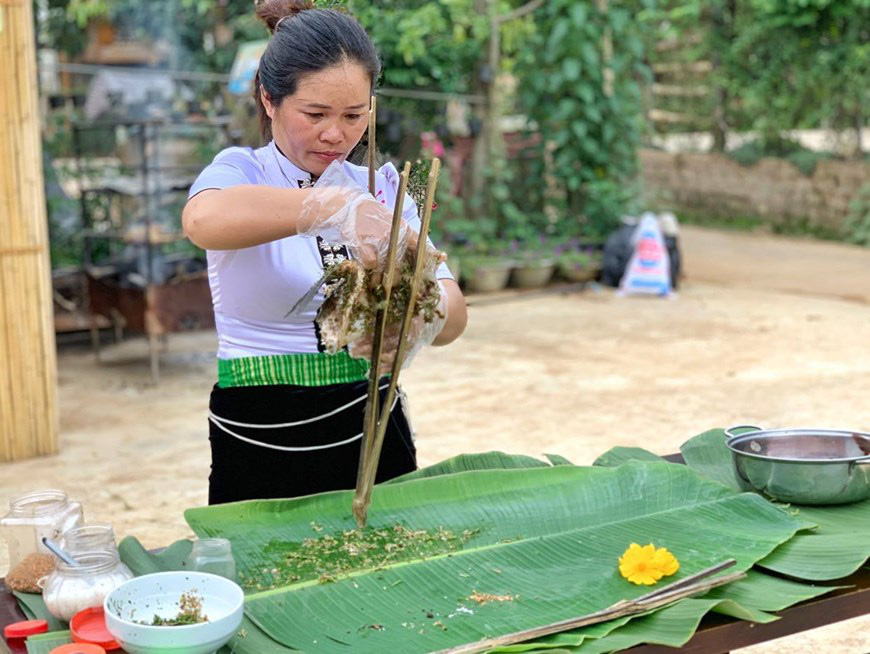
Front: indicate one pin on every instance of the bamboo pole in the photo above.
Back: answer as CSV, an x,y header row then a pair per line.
x,y
371,413
28,366
373,146
361,508
370,416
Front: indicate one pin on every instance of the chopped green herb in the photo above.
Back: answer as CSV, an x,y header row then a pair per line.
x,y
190,613
329,557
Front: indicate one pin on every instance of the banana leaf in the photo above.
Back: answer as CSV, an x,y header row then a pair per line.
x,y
45,643
557,460
762,592
748,599
33,606
672,626
837,548
707,454
142,562
618,455
568,638
533,530
798,557
483,461
759,591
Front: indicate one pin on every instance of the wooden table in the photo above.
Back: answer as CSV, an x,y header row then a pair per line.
x,y
716,635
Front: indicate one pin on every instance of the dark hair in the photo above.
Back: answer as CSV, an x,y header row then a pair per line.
x,y
306,40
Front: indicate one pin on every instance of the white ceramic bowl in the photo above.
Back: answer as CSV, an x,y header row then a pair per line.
x,y
159,594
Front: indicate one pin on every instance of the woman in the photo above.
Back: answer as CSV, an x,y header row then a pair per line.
x,y
286,417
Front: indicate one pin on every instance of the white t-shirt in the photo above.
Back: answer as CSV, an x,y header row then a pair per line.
x,y
253,288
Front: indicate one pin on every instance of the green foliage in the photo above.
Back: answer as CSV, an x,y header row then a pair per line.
x,y
592,135
424,44
579,260
800,63
781,64
804,159
432,46
857,227
737,222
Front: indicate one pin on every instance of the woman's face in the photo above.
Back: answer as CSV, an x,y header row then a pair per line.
x,y
325,118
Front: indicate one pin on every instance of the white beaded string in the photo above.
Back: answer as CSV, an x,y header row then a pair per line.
x,y
217,420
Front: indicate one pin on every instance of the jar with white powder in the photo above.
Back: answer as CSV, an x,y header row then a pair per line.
x,y
69,589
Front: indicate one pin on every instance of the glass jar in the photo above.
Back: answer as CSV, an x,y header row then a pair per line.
x,y
70,589
214,555
45,513
93,537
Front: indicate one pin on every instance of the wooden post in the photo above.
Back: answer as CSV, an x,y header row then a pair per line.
x,y
28,364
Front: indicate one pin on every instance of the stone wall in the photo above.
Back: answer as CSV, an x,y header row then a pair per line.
x,y
772,189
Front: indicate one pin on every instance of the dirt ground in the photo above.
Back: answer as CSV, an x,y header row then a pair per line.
x,y
765,329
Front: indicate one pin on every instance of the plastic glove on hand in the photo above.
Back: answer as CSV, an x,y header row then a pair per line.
x,y
341,212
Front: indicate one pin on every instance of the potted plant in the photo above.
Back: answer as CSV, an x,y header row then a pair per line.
x,y
533,269
484,273
533,261
484,265
578,265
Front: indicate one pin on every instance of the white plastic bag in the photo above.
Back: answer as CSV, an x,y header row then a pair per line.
x,y
649,269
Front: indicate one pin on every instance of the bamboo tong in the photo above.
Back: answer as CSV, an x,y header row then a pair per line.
x,y
377,415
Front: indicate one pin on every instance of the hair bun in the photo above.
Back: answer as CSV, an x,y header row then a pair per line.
x,y
273,12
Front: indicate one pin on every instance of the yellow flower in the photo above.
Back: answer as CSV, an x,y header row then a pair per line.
x,y
646,564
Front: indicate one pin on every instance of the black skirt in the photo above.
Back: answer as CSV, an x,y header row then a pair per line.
x,y
242,470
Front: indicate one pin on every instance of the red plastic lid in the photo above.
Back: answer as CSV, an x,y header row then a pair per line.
x,y
78,648
89,626
25,629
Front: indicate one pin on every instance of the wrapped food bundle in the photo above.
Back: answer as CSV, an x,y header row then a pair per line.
x,y
354,294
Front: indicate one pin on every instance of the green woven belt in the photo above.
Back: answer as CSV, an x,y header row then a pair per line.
x,y
295,369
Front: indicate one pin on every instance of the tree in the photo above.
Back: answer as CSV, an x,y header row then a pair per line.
x,y
778,64
801,63
586,101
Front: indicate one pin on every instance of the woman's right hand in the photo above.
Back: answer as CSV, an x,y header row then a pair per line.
x,y
341,212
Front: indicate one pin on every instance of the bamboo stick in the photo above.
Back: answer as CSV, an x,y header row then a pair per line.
x,y
28,374
370,420
654,600
370,416
399,359
372,150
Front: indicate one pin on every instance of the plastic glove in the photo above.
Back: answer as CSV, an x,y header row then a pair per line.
x,y
341,212
420,334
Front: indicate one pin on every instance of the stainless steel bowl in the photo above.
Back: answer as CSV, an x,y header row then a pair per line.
x,y
802,466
